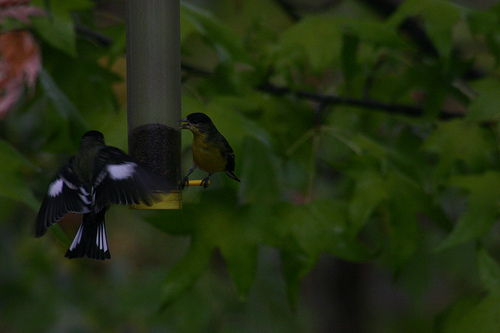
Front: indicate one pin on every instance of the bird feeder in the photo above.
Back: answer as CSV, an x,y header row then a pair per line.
x,y
154,92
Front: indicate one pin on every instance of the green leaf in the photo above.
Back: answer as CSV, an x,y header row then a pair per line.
x,y
188,24
318,37
304,232
295,266
93,96
387,189
440,18
57,28
469,315
350,65
489,271
460,140
58,32
64,106
118,47
485,24
405,203
185,273
447,321
224,40
369,192
231,228
12,170
241,256
373,32
482,209
314,228
482,22
486,105
60,235
174,222
261,177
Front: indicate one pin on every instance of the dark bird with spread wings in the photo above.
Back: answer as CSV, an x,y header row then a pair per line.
x,y
89,183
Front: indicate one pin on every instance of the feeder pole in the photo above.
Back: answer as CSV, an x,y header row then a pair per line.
x,y
154,90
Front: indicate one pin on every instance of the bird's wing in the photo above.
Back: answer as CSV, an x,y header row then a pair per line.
x,y
230,161
66,194
228,154
120,179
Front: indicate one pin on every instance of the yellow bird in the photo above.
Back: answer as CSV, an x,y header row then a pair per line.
x,y
211,151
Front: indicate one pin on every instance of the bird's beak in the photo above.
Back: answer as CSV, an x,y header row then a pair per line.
x,y
187,125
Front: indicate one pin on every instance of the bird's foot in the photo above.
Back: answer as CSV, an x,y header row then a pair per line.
x,y
185,182
205,182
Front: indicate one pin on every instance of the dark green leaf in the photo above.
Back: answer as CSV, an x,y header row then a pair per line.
x,y
318,37
472,316
57,31
460,141
372,32
304,232
12,170
222,38
314,228
57,27
186,272
447,321
403,208
64,106
295,266
489,271
174,222
261,177
350,65
369,192
440,18
485,24
240,254
486,105
482,209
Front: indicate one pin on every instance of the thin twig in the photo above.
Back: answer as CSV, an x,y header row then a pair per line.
x,y
409,110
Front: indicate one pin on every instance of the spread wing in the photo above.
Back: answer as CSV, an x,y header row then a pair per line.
x,y
65,195
120,179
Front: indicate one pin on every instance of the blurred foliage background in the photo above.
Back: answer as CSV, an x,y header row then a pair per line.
x,y
366,136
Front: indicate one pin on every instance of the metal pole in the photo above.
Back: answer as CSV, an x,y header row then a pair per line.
x,y
154,90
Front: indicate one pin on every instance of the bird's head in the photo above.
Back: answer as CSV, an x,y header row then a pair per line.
x,y
92,137
197,123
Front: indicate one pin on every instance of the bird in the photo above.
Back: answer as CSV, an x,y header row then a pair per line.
x,y
211,151
88,183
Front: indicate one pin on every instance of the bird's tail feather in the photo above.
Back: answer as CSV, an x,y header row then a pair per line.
x,y
232,175
90,240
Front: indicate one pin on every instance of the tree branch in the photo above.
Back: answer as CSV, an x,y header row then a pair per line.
x,y
409,110
96,37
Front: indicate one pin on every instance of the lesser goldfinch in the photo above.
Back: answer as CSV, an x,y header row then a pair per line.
x,y
211,151
89,183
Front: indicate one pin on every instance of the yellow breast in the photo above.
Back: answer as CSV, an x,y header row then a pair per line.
x,y
207,157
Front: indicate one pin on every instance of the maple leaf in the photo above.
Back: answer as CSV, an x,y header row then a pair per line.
x,y
20,63
18,9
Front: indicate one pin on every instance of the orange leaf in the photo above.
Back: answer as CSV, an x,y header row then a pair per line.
x,y
20,63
